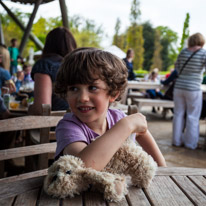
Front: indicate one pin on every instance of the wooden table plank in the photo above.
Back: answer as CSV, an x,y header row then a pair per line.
x,y
136,196
46,200
7,201
28,175
200,182
27,199
164,192
75,201
180,171
14,188
28,122
93,199
191,190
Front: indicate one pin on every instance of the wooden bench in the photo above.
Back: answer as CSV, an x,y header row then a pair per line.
x,y
27,123
140,102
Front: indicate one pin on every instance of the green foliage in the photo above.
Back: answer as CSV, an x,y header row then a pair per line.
x,y
185,33
120,40
156,60
135,40
135,12
141,73
116,38
134,35
168,40
149,36
85,31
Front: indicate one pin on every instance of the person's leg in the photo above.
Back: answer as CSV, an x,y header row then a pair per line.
x,y
152,93
178,119
194,106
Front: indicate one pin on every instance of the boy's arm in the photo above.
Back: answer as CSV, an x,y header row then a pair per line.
x,y
148,143
98,153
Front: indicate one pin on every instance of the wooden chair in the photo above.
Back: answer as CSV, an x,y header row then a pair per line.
x,y
27,123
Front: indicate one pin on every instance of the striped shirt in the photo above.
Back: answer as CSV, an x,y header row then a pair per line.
x,y
191,76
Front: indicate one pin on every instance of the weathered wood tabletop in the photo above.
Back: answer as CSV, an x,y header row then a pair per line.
x,y
171,186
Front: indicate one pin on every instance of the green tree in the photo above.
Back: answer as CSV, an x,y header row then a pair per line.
x,y
135,35
116,38
168,40
157,60
135,12
149,36
185,33
85,31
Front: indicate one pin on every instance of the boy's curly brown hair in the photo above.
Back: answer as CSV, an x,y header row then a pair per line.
x,y
85,65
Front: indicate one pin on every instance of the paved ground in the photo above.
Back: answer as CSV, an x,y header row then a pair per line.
x,y
161,129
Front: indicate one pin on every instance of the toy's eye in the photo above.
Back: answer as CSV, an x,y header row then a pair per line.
x,y
68,172
54,178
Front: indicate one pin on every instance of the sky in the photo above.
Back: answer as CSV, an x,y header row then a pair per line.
x,y
170,13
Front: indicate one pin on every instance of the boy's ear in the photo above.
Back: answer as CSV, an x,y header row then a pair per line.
x,y
112,99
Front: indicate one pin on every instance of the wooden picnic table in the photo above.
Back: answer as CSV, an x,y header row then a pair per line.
x,y
144,85
170,186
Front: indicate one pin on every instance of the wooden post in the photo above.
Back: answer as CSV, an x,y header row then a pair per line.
x,y
29,26
63,8
38,43
44,138
1,34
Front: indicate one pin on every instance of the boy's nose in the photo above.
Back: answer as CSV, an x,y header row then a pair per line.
x,y
83,96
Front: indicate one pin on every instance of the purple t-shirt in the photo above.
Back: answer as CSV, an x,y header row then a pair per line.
x,y
70,129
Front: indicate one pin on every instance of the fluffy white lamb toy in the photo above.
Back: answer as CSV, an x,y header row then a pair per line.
x,y
69,176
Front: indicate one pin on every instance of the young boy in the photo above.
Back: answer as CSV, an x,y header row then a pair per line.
x,y
90,80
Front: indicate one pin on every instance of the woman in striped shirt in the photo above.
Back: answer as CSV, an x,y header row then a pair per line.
x,y
188,94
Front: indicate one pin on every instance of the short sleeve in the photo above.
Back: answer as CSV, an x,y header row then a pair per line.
x,y
46,66
5,75
68,132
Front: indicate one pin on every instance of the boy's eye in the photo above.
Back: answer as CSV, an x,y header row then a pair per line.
x,y
73,89
92,88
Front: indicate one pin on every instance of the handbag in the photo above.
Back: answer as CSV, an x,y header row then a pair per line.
x,y
169,92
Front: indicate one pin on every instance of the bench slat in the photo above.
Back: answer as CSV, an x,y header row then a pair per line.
x,y
27,151
28,122
153,102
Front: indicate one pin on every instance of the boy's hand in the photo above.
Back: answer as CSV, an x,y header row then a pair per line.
x,y
137,122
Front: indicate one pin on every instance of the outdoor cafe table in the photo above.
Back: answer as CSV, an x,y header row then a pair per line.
x,y
171,186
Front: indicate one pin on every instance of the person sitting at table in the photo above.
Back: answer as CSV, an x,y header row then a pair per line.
x,y
59,42
129,63
24,77
154,93
6,57
5,78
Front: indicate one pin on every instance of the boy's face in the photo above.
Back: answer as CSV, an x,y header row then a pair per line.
x,y
90,102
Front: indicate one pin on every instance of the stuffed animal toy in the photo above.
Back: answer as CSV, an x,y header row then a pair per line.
x,y
69,176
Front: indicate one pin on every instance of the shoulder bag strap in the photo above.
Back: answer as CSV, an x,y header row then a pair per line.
x,y
188,61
